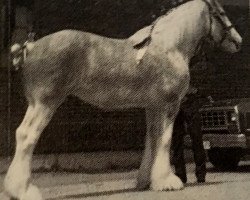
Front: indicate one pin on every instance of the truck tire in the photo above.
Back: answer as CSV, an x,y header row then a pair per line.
x,y
225,159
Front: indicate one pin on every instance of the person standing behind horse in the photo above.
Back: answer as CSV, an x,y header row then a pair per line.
x,y
189,114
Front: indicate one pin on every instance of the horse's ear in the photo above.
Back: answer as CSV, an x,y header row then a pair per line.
x,y
141,36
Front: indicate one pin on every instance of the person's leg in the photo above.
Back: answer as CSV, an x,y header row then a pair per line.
x,y
143,180
178,147
194,129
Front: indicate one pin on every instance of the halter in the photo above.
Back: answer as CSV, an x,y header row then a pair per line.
x,y
216,14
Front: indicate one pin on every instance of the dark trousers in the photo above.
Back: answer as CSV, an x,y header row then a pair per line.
x,y
194,130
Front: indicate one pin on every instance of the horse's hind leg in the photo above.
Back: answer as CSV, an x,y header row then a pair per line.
x,y
17,181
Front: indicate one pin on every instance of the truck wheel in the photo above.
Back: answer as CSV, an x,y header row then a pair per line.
x,y
225,159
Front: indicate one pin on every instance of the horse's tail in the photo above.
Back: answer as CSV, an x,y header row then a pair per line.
x,y
19,53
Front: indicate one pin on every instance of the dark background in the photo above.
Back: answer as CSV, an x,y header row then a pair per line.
x,y
77,126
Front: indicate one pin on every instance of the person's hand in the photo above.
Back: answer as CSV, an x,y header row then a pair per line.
x,y
210,99
192,90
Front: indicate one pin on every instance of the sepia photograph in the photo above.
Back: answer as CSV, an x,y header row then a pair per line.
x,y
124,99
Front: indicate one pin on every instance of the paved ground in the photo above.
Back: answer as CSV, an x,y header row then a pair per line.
x,y
120,185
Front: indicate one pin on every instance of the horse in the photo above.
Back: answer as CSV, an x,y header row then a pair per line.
x,y
148,70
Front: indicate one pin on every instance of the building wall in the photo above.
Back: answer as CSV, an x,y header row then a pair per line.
x,y
3,84
4,136
23,24
106,17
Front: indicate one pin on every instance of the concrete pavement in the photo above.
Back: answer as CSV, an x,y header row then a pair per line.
x,y
120,185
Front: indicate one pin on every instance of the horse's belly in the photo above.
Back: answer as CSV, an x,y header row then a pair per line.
x,y
118,97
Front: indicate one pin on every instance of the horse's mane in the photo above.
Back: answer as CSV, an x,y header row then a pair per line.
x,y
178,19
170,11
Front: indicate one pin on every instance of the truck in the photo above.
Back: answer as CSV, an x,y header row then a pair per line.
x,y
225,127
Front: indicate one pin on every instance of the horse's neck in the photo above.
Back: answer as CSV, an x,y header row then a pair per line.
x,y
182,33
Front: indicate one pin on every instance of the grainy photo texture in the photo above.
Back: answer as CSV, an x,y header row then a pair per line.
x,y
115,99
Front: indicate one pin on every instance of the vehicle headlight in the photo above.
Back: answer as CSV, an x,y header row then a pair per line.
x,y
232,116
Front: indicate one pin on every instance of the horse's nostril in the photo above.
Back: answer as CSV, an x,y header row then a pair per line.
x,y
238,46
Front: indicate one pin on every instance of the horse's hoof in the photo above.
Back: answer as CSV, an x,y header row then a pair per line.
x,y
32,193
171,182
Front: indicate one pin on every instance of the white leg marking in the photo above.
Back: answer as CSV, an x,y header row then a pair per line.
x,y
17,181
162,177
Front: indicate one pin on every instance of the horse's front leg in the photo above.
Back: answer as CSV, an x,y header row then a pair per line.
x,y
17,181
162,176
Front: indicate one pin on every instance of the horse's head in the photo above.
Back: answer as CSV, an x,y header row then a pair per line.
x,y
221,30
